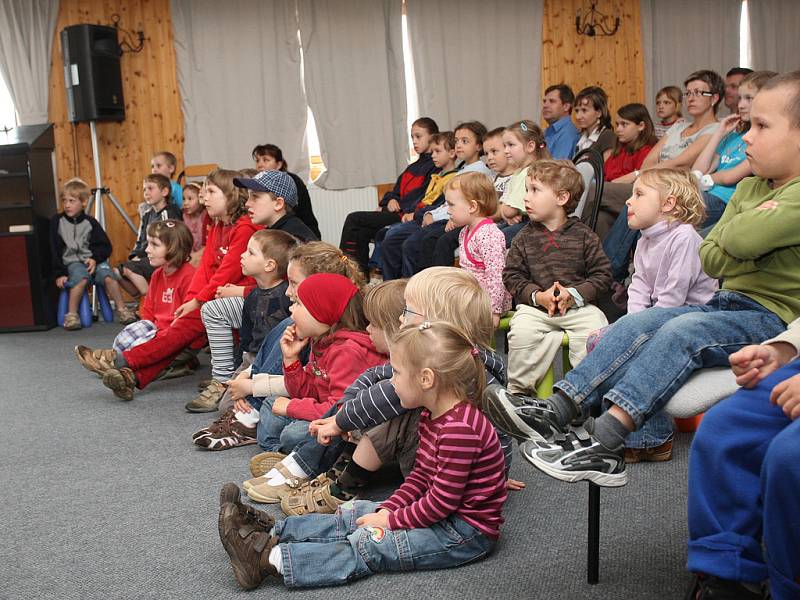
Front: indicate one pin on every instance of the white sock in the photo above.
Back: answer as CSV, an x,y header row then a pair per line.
x,y
274,477
249,418
276,558
291,464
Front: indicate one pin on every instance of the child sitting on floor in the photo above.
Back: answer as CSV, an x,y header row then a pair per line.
x,y
80,250
555,270
471,203
196,219
169,245
447,513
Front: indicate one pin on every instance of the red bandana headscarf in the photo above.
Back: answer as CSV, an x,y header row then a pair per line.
x,y
326,295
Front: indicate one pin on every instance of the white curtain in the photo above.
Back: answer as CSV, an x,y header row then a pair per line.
x,y
774,27
476,60
240,80
26,41
354,81
682,36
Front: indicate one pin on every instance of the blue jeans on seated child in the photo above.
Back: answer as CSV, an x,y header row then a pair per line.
x,y
332,550
313,457
392,249
276,433
618,245
77,272
647,356
270,358
744,474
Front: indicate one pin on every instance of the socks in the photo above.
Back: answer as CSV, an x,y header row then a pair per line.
x,y
565,409
607,430
274,477
276,558
349,484
249,419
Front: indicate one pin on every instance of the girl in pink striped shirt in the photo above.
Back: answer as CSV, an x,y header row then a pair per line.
x,y
471,202
447,513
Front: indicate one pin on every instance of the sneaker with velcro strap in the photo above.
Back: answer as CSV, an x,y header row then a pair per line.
x,y
522,417
578,456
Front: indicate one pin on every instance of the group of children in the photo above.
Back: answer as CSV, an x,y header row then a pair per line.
x,y
336,379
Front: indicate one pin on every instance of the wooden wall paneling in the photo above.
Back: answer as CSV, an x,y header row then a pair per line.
x,y
153,116
615,63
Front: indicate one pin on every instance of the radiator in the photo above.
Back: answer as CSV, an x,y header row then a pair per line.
x,y
331,207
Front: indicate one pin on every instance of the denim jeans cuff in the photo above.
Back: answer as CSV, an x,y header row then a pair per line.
x,y
288,576
629,407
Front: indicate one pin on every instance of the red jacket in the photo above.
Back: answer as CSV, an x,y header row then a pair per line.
x,y
165,294
332,367
221,259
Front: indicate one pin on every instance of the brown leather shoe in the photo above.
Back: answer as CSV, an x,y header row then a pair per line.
x,y
248,515
97,361
120,381
660,453
248,547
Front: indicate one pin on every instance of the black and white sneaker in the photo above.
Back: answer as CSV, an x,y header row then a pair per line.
x,y
521,417
578,456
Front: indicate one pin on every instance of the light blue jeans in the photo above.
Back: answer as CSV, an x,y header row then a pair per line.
x,y
331,549
647,356
276,433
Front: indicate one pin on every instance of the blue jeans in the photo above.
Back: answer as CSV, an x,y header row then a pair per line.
x,y
647,356
332,550
313,457
509,231
276,433
715,206
269,358
744,477
618,244
77,272
392,249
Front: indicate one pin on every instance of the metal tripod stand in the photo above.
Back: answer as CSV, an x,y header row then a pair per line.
x,y
100,193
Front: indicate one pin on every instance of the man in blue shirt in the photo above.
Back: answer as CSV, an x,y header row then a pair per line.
x,y
561,136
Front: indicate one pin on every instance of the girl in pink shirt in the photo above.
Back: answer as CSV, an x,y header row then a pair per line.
x,y
471,203
447,513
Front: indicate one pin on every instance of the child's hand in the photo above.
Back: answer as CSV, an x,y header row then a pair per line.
x,y
186,308
230,291
565,299
547,300
768,205
427,219
376,519
450,225
513,220
513,484
291,345
242,406
325,430
407,217
393,206
61,281
91,265
787,395
240,388
280,405
753,363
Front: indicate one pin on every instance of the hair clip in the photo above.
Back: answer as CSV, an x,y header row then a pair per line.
x,y
343,258
543,145
424,325
169,224
523,126
474,351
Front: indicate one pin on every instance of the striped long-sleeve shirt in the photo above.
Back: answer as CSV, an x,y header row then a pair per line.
x,y
459,470
371,399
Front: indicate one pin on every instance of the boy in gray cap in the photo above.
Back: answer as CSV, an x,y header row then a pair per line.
x,y
272,197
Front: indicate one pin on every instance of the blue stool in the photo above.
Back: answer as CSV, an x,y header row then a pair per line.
x,y
85,309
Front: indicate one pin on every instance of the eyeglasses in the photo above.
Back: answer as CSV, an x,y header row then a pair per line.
x,y
690,93
407,311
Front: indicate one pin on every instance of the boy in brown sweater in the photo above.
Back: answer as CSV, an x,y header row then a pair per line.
x,y
555,269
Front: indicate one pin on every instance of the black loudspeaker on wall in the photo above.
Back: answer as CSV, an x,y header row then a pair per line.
x,y
92,73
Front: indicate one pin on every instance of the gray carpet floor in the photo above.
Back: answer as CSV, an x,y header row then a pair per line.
x,y
106,499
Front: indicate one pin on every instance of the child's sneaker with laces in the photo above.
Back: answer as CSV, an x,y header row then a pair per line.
x,y
578,456
97,361
230,433
521,417
120,381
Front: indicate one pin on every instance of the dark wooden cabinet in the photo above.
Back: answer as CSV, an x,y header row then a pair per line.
x,y
27,201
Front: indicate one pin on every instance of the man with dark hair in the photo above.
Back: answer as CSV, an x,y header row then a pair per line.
x,y
732,80
561,135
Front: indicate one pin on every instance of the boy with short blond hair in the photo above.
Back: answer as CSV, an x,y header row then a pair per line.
x,y
81,250
136,271
555,269
164,163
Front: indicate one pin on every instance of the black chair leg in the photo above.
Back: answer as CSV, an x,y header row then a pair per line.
x,y
593,539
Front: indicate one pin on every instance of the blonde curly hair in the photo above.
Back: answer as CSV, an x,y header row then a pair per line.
x,y
681,185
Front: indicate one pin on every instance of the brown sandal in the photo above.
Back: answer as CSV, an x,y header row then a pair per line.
x,y
314,497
